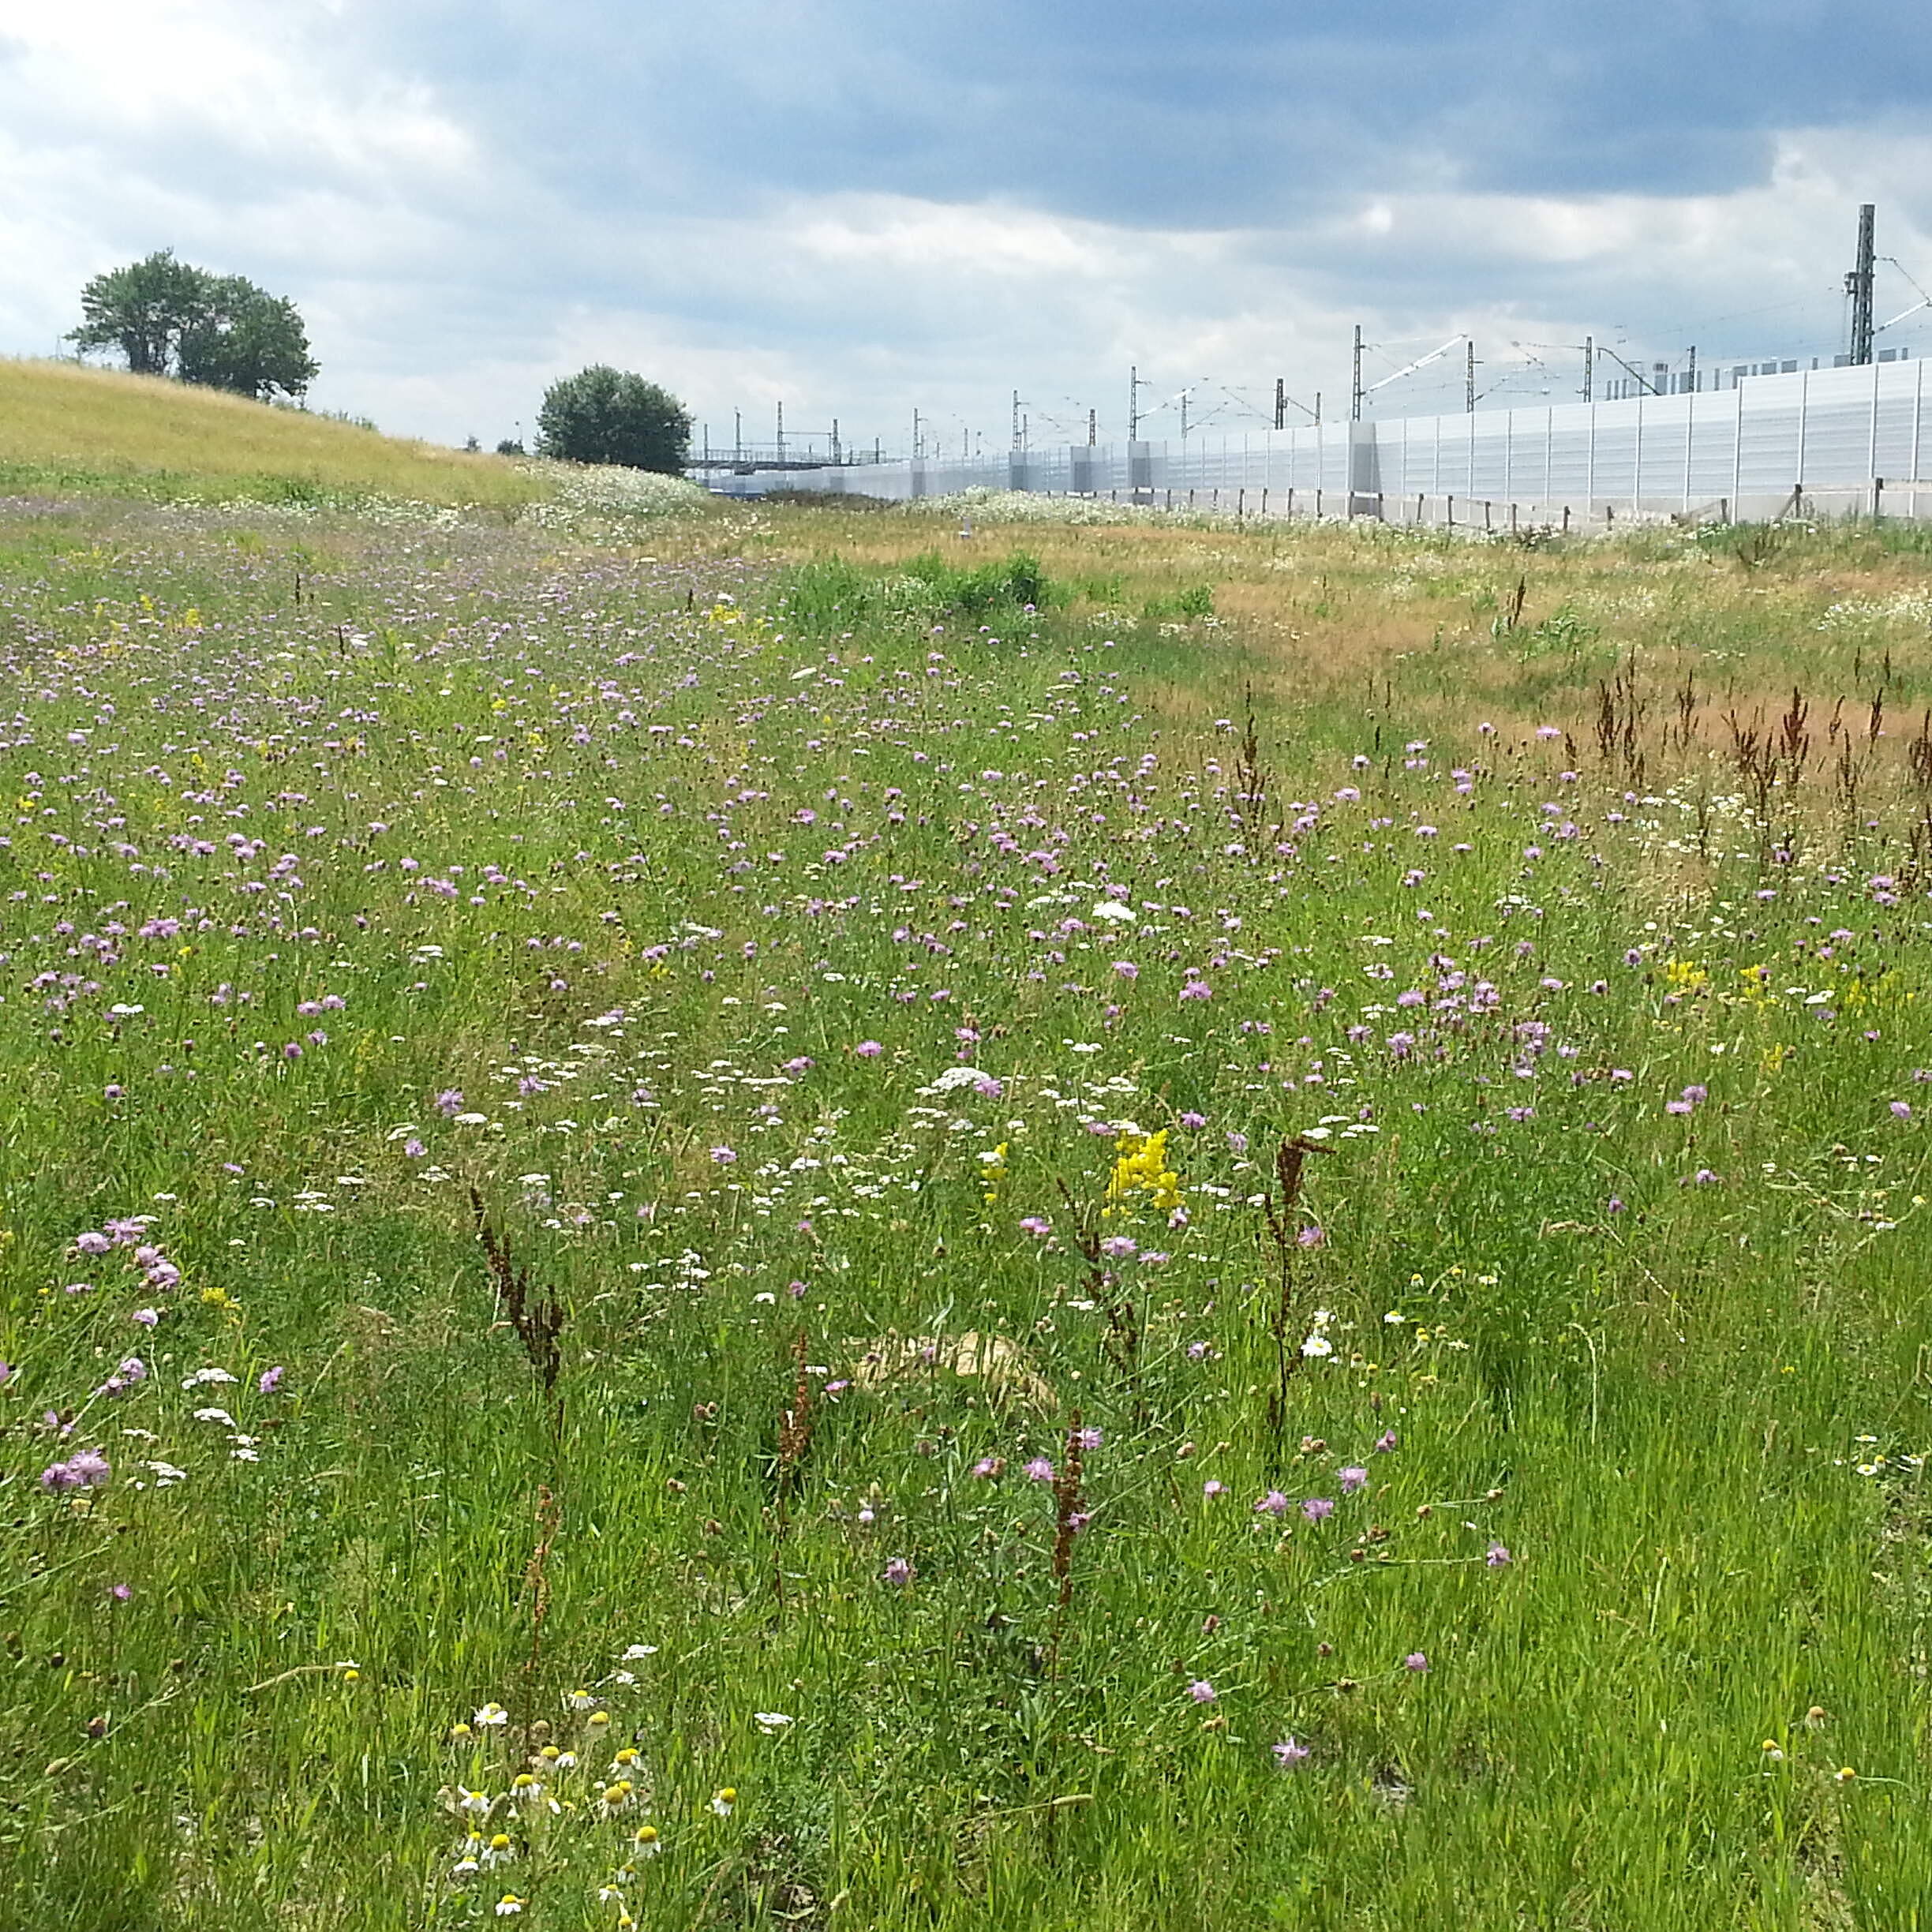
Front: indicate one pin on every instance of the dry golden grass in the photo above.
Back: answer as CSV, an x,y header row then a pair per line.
x,y
63,425
1339,615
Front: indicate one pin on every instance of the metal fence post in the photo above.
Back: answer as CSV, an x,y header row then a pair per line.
x,y
1871,463
1737,450
1689,443
1804,397
1918,412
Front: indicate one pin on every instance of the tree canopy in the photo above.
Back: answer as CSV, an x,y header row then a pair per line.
x,y
169,318
603,415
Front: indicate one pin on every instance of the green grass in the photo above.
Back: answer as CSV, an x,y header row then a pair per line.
x,y
65,429
696,875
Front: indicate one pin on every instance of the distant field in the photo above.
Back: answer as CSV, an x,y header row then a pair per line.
x,y
66,428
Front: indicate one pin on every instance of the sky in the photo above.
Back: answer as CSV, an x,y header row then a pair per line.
x,y
861,209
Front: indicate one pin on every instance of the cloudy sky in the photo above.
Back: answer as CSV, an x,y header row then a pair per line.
x,y
863,208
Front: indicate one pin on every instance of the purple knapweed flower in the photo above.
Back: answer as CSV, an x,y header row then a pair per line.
x,y
86,1468
1202,1691
1317,1508
1290,1752
270,1380
1416,1661
1039,1469
898,1571
1274,1504
1498,1556
1352,1478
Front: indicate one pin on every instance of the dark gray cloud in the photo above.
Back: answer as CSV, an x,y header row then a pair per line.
x,y
1126,111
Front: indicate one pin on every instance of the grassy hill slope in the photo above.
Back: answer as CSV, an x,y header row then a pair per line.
x,y
67,427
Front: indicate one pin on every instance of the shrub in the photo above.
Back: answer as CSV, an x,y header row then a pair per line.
x,y
603,415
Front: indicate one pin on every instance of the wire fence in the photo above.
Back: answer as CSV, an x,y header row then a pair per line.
x,y
1820,441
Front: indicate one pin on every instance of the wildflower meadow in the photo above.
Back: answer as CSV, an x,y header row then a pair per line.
x,y
829,1217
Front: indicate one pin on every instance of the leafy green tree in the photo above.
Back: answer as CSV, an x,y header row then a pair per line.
x,y
247,340
141,310
169,318
603,415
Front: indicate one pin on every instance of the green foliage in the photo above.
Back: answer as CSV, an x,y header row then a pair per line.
x,y
169,318
1562,632
1191,602
830,594
604,415
141,310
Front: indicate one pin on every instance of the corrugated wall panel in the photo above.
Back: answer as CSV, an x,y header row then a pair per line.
x,y
1833,429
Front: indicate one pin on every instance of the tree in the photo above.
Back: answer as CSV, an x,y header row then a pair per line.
x,y
603,415
141,310
169,318
246,340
